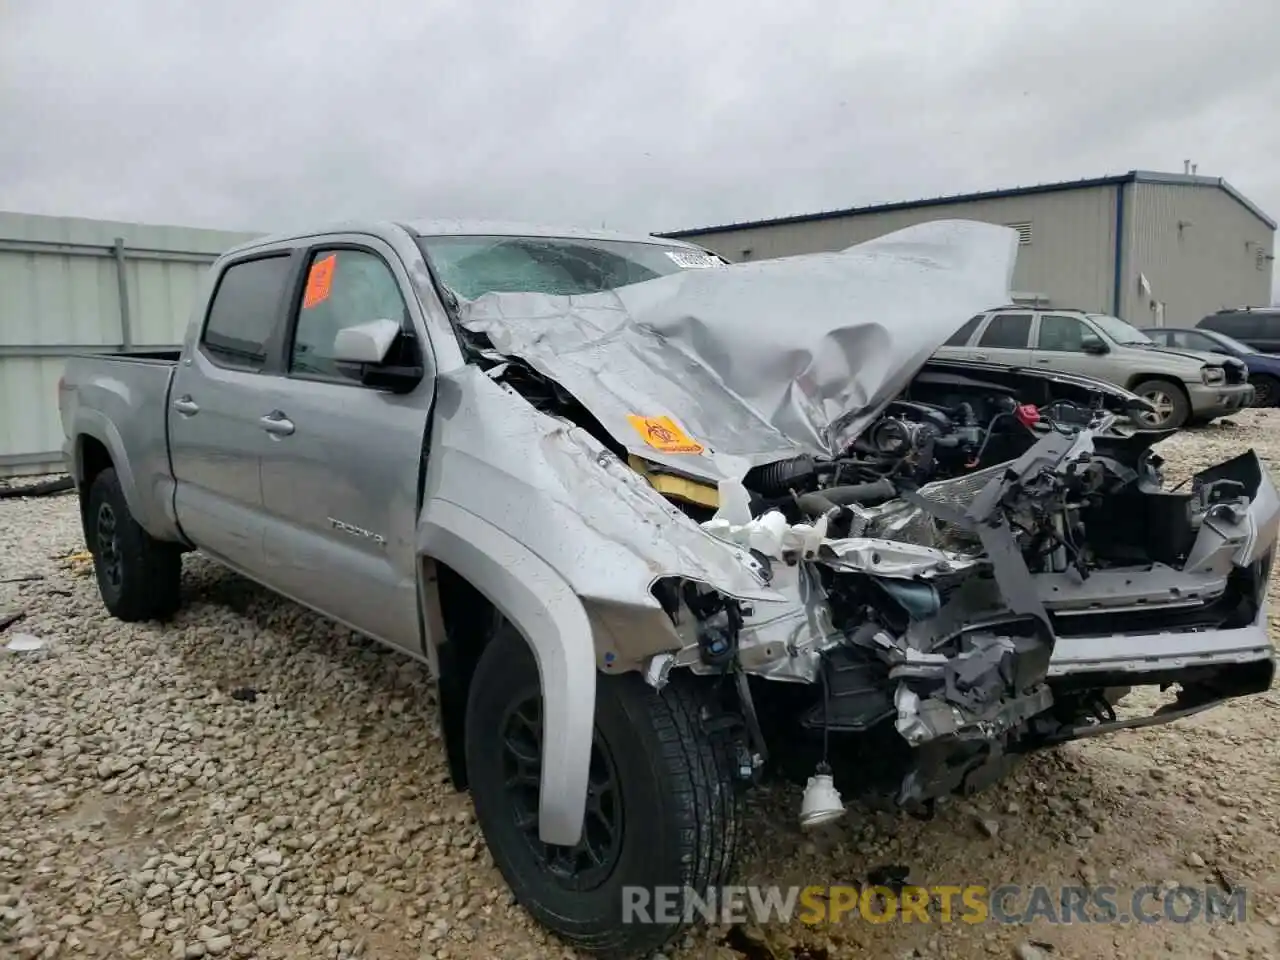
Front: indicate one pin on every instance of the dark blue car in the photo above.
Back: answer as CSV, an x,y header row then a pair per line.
x,y
1264,368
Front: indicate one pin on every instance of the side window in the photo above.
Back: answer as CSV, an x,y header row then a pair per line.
x,y
344,288
1007,330
244,310
1240,325
1190,340
1062,333
961,336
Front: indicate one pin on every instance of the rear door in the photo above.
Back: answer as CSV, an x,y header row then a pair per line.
x,y
215,440
957,345
1005,338
341,471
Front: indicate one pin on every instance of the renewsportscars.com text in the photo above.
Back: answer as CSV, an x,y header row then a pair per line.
x,y
961,903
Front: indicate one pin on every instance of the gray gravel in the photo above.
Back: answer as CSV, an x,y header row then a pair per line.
x,y
252,781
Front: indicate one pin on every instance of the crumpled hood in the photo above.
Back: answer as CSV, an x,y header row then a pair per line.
x,y
755,362
1213,359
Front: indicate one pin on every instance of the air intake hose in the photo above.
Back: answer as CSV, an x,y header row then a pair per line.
x,y
823,501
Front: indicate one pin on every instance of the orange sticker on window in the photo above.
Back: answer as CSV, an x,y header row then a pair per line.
x,y
319,280
661,433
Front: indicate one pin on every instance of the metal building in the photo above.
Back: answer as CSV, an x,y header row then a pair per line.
x,y
76,286
1149,247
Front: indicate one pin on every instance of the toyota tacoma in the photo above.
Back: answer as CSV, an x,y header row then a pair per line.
x,y
661,526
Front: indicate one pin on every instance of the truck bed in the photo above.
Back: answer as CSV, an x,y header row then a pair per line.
x,y
120,403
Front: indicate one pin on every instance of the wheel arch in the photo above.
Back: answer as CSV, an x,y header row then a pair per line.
x,y
98,447
465,558
1176,381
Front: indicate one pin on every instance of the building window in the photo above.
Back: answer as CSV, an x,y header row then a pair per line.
x,y
1024,232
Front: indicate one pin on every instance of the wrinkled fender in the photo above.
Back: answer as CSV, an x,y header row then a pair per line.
x,y
543,607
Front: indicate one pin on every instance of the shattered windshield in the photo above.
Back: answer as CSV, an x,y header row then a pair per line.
x,y
472,266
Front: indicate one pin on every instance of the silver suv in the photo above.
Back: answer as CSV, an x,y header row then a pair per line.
x,y
1182,385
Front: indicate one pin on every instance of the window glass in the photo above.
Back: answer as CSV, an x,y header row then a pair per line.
x,y
1218,343
243,313
344,288
1235,324
1062,333
1118,330
1190,340
472,266
1007,330
961,336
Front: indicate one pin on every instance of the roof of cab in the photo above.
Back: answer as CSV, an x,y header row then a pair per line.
x,y
459,228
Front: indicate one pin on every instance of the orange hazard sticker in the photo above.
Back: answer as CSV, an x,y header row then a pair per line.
x,y
661,433
319,280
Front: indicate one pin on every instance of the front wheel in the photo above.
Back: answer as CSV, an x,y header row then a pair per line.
x,y
1173,409
139,577
1266,390
662,809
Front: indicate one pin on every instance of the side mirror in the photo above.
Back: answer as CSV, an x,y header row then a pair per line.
x,y
1094,345
365,342
380,354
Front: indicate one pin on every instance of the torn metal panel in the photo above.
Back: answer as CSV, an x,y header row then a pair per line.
x,y
758,362
892,558
780,641
588,515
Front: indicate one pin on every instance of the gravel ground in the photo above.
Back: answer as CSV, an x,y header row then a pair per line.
x,y
253,781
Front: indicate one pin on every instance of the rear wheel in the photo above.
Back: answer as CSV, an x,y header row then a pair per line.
x,y
662,809
1172,409
1266,390
139,577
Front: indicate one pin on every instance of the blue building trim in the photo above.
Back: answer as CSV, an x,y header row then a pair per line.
x,y
1119,252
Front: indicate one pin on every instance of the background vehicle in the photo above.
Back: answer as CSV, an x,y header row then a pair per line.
x,y
625,627
1264,368
1182,385
1258,327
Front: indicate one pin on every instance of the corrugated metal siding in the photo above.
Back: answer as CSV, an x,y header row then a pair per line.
x,y
1210,263
1069,258
60,284
29,426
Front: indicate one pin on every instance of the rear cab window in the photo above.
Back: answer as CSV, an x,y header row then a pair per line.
x,y
1007,331
245,310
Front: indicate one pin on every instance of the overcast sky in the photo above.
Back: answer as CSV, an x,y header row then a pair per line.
x,y
649,115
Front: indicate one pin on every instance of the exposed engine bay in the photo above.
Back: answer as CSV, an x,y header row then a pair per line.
x,y
950,586
967,560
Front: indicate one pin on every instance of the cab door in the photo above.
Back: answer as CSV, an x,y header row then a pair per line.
x,y
215,441
341,468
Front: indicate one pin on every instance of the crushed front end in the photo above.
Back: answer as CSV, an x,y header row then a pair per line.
x,y
939,630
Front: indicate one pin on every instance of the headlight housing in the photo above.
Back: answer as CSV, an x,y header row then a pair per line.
x,y
1213,374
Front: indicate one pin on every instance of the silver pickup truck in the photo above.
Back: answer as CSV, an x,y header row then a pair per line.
x,y
662,526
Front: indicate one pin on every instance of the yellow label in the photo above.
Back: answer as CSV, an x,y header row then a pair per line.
x,y
663,434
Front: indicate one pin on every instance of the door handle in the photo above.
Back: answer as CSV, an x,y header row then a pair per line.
x,y
277,424
186,406
981,356
1043,360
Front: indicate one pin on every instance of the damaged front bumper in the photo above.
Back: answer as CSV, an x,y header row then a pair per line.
x,y
992,659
